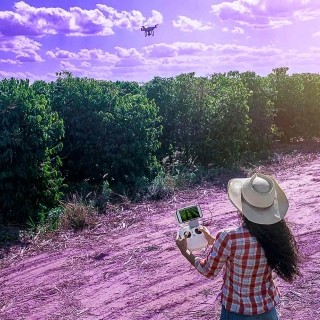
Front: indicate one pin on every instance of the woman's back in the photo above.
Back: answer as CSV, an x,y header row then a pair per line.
x,y
248,285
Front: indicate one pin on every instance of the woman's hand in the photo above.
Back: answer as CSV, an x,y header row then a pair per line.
x,y
207,235
181,243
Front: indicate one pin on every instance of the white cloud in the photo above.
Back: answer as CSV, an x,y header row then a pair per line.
x,y
131,20
187,24
178,48
10,61
237,30
263,14
28,20
23,48
85,64
18,43
129,57
66,65
84,55
30,56
19,75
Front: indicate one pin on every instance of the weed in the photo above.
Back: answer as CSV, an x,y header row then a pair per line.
x,y
162,187
76,215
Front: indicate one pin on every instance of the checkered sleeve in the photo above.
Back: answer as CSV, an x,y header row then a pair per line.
x,y
213,263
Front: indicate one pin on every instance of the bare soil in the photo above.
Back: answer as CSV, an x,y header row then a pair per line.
x,y
128,266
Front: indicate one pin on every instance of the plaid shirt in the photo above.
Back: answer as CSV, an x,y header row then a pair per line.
x,y
248,287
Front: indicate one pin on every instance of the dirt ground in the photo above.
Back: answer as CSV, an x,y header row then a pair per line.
x,y
128,266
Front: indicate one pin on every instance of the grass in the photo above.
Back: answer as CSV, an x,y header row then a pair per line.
x,y
76,215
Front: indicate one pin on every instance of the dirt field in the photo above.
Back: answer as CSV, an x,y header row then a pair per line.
x,y
128,267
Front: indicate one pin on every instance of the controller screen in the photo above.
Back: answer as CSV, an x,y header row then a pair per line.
x,y
189,214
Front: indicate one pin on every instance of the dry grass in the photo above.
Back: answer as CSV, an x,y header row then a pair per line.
x,y
77,215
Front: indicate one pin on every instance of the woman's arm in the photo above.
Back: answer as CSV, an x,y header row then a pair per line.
x,y
207,235
215,260
182,245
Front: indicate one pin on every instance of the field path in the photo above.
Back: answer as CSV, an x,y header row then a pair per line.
x,y
132,269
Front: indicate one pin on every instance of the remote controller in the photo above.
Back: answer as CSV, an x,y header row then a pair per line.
x,y
188,219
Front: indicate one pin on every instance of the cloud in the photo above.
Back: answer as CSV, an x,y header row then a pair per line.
x,y
9,61
129,57
181,57
262,14
25,49
316,34
122,57
66,65
32,21
186,24
19,75
203,58
31,56
85,64
89,22
237,30
156,18
28,20
162,50
83,55
19,43
130,20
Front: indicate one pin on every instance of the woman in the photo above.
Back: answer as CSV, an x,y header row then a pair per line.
x,y
249,253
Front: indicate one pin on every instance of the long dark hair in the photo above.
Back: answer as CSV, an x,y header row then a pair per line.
x,y
279,245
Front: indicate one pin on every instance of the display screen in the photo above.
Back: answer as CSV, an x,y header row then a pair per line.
x,y
189,213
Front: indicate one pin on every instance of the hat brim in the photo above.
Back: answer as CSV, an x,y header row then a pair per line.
x,y
270,215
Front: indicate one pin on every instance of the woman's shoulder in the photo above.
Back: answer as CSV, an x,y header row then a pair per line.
x,y
234,233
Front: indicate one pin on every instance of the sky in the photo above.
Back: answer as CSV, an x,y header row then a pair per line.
x,y
102,39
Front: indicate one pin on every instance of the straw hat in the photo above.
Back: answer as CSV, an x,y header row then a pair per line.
x,y
259,198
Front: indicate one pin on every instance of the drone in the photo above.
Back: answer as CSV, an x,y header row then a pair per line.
x,y
148,31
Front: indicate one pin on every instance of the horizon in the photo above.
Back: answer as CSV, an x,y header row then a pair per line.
x,y
103,40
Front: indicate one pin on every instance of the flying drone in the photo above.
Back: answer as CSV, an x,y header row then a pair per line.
x,y
148,31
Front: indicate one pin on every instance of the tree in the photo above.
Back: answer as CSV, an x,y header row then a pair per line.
x,y
261,111
31,135
110,134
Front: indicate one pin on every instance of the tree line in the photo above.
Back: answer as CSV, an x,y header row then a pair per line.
x,y
117,135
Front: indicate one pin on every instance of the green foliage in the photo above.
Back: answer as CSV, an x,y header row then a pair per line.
x,y
228,121
307,112
79,103
112,136
109,132
197,113
161,187
106,190
297,104
132,140
163,92
30,141
261,111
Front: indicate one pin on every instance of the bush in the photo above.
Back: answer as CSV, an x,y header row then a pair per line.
x,y
204,119
30,142
162,187
76,215
109,132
